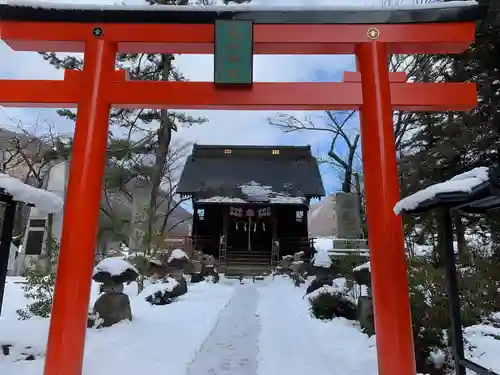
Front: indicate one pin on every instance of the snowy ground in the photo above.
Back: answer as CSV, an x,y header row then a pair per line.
x,y
293,343
251,329
160,339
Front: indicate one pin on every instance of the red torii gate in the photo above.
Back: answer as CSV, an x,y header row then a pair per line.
x,y
372,35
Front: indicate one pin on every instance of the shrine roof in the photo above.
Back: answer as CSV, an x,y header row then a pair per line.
x,y
454,11
279,172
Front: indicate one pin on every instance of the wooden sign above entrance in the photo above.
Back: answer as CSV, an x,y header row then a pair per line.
x,y
233,52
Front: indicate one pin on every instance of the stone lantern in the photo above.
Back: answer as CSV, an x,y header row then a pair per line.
x,y
113,305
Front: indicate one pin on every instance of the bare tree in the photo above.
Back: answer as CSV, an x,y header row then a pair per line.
x,y
127,179
28,151
337,125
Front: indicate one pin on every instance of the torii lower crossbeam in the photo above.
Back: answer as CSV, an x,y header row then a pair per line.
x,y
372,35
312,96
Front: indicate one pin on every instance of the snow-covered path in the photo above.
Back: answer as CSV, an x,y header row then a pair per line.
x,y
232,346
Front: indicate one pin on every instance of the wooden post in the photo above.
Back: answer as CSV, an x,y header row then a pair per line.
x,y
5,241
274,221
385,231
225,220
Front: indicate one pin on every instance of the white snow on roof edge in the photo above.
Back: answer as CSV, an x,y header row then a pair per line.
x,y
225,8
42,199
463,182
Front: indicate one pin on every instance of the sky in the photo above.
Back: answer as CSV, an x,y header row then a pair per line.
x,y
223,127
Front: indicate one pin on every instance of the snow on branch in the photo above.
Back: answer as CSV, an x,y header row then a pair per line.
x,y
364,266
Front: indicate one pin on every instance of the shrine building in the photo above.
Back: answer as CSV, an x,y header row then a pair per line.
x,y
250,203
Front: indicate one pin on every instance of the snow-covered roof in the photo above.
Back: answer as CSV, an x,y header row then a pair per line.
x,y
404,13
273,200
218,199
239,8
255,192
464,182
251,173
21,192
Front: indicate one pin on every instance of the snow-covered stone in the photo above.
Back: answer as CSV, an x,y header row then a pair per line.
x,y
114,266
166,291
322,259
114,270
156,262
323,243
177,261
177,254
167,286
21,192
464,182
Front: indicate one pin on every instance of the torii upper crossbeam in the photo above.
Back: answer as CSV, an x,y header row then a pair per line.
x,y
371,34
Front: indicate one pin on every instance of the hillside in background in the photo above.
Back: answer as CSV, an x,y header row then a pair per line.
x,y
10,141
321,218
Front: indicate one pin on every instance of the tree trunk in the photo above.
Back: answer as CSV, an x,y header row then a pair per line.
x,y
49,243
347,183
161,154
439,251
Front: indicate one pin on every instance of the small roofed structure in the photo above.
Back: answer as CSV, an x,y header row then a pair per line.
x,y
248,200
12,191
477,192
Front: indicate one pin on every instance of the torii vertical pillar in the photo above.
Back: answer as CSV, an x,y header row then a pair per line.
x,y
385,232
81,213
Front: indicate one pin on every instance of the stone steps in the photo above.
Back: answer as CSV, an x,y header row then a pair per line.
x,y
247,263
246,272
